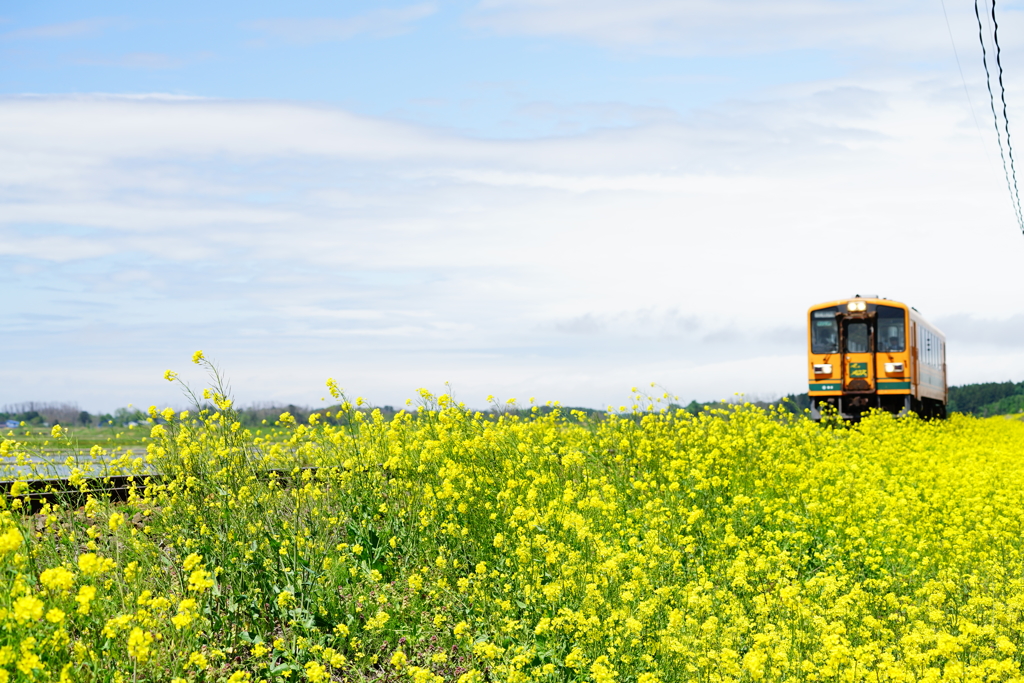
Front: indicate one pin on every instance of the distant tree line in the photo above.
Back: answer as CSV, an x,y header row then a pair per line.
x,y
39,413
988,398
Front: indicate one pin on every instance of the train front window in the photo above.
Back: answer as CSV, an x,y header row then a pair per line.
x,y
857,337
890,334
824,331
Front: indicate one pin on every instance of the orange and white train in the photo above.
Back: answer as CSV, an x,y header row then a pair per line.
x,y
868,352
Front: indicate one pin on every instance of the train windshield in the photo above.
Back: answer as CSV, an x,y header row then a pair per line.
x,y
891,333
857,336
824,331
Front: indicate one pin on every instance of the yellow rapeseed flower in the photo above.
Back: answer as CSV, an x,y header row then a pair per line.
x,y
92,564
199,580
140,644
188,610
28,608
86,594
11,539
315,672
57,579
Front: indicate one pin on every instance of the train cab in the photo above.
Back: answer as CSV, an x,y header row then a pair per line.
x,y
870,352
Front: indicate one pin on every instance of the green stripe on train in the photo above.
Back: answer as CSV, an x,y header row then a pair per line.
x,y
882,386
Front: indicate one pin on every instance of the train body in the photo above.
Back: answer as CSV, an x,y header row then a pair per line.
x,y
869,352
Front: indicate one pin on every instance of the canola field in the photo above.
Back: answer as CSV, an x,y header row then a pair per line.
x,y
448,545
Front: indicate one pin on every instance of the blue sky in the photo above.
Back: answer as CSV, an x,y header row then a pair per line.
x,y
549,198
443,65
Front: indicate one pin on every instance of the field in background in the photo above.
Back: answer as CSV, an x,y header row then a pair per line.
x,y
444,544
83,438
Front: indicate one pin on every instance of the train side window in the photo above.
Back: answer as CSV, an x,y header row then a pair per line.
x,y
824,331
891,329
857,337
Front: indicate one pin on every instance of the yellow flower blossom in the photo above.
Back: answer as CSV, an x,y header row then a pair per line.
x,y
188,611
28,608
86,594
57,579
315,672
116,625
11,539
140,644
91,564
199,580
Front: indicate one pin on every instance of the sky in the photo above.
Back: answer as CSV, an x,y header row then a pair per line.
x,y
548,199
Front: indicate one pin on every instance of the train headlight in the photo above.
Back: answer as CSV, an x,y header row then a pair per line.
x,y
894,367
855,306
822,368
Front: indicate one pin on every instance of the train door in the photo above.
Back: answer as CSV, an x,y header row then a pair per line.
x,y
858,355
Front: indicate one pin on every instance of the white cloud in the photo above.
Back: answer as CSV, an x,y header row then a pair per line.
x,y
298,242
381,23
726,140
734,27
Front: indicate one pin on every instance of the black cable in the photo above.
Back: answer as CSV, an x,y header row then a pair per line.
x,y
995,117
1006,120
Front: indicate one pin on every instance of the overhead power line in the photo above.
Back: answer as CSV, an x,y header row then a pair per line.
x,y
1009,169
